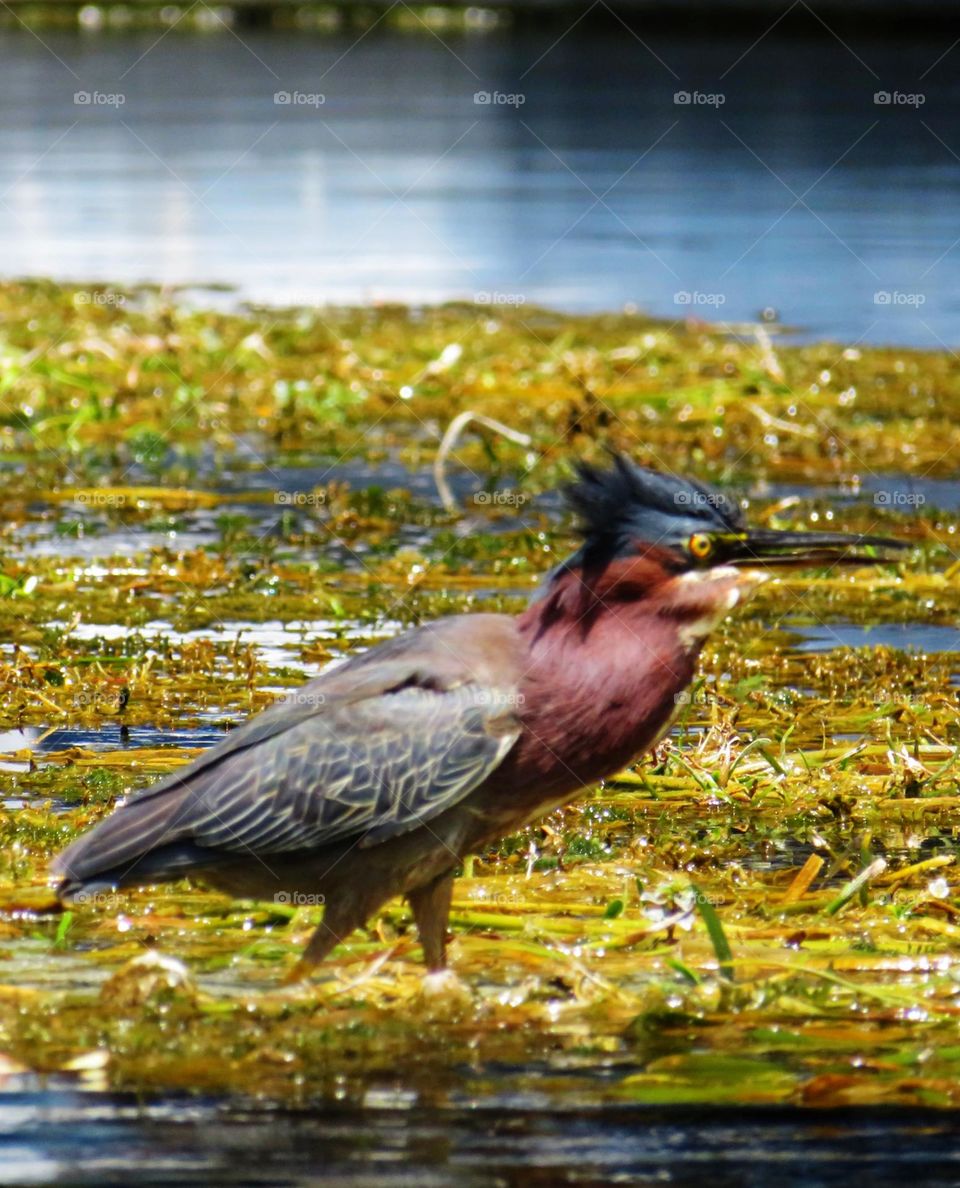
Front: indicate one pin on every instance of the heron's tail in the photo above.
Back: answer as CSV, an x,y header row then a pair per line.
x,y
142,841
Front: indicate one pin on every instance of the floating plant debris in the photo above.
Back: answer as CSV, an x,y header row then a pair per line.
x,y
766,909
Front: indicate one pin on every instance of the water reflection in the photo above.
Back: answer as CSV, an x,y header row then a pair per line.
x,y
68,1137
798,192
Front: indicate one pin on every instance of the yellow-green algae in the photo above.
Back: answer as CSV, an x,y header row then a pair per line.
x,y
93,384
579,941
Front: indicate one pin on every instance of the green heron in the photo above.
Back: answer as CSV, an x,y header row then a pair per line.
x,y
377,778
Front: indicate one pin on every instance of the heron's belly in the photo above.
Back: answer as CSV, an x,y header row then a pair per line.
x,y
310,878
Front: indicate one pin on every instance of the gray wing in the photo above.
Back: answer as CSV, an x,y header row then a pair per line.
x,y
367,751
372,769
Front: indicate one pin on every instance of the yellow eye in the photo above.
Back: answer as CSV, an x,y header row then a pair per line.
x,y
700,546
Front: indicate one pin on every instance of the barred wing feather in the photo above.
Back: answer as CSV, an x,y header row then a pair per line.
x,y
372,769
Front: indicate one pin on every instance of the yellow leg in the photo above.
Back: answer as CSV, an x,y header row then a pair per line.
x,y
431,910
336,926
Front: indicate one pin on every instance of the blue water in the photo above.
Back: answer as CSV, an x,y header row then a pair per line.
x,y
913,637
799,192
89,1139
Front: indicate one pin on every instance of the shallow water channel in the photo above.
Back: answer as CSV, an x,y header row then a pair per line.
x,y
550,1121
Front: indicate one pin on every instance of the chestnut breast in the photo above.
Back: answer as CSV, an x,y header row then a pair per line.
x,y
599,689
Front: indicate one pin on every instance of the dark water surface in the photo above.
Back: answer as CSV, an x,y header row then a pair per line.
x,y
782,182
63,1137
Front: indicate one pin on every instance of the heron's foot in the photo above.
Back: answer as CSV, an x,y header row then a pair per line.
x,y
441,988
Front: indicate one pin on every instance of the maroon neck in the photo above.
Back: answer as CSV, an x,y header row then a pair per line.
x,y
576,598
607,657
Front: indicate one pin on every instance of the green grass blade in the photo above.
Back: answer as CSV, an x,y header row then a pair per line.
x,y
718,938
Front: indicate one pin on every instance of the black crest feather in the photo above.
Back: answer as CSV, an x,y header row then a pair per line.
x,y
627,509
622,505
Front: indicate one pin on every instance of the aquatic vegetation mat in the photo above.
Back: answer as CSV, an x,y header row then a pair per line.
x,y
202,509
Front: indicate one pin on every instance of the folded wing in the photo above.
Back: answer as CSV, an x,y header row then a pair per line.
x,y
326,766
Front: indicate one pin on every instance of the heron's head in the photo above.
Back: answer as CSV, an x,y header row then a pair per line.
x,y
628,511
673,547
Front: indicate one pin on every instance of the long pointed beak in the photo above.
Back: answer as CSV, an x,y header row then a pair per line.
x,y
768,546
